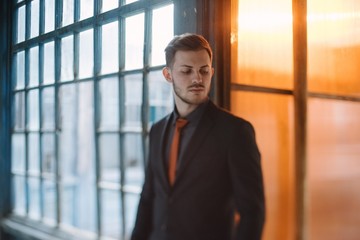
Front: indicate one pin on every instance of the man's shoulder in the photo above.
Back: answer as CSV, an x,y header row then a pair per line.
x,y
159,124
228,117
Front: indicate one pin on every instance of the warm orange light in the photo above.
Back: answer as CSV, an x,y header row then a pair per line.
x,y
335,19
339,26
262,55
265,35
265,31
264,21
270,16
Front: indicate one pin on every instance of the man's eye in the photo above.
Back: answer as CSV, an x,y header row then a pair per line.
x,y
188,71
204,72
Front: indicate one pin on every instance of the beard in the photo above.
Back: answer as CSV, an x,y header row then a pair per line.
x,y
181,94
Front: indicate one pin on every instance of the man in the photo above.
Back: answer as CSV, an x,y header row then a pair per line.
x,y
217,169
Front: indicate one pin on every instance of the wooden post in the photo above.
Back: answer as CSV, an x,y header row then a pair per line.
x,y
300,101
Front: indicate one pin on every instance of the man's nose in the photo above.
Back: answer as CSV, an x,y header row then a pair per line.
x,y
197,78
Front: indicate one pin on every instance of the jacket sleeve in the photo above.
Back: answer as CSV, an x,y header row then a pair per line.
x,y
143,222
247,182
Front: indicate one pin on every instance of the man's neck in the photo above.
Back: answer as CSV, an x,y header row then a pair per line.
x,y
184,109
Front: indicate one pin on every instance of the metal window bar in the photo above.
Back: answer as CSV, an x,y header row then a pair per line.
x,y
251,88
27,73
97,156
58,20
121,90
97,68
41,80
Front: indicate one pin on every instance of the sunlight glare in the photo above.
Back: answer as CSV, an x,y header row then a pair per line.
x,y
264,21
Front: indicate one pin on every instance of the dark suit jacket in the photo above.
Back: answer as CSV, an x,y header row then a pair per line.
x,y
219,173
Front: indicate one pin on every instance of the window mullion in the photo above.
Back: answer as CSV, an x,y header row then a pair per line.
x,y
58,20
121,87
40,100
76,39
27,79
96,73
76,55
145,103
76,10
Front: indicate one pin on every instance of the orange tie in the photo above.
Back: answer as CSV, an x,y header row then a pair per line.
x,y
174,149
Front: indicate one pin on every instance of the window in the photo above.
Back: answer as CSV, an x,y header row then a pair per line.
x,y
86,87
265,85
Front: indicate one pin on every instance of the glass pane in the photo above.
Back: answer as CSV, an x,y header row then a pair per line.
x,y
33,109
110,43
133,100
67,58
34,66
86,55
134,41
264,44
160,96
86,8
77,156
49,197
78,204
109,104
68,12
34,198
111,213
35,15
19,111
19,194
68,125
76,127
48,153
272,118
49,15
67,150
130,1
131,206
133,159
68,211
109,157
49,63
18,149
162,33
333,47
21,24
109,4
34,156
334,169
48,108
20,70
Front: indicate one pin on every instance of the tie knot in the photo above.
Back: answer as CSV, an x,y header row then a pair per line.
x,y
181,122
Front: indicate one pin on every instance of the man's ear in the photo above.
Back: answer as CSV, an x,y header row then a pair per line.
x,y
167,74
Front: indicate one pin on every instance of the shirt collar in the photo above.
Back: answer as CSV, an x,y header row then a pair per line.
x,y
194,116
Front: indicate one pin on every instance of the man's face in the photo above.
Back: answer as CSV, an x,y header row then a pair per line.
x,y
191,76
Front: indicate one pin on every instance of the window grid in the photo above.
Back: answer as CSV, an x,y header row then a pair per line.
x,y
56,35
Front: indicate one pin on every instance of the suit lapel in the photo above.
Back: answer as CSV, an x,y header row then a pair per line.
x,y
203,129
161,163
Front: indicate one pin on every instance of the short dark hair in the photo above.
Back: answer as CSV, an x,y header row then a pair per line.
x,y
186,42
